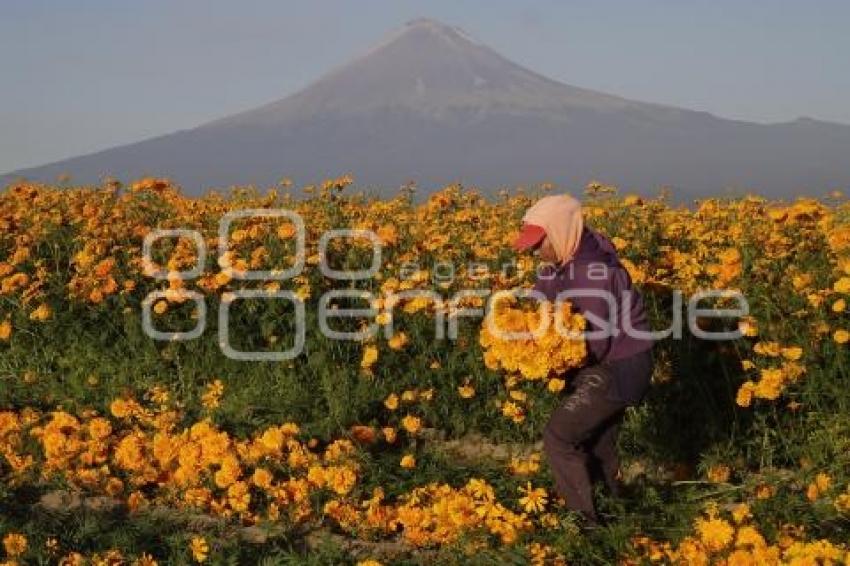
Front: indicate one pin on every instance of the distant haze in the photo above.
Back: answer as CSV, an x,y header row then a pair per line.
x,y
433,105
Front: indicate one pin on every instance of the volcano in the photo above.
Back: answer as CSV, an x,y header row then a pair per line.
x,y
432,105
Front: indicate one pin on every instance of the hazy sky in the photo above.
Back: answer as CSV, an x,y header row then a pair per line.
x,y
82,75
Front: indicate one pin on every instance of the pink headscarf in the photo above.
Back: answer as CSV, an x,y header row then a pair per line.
x,y
560,216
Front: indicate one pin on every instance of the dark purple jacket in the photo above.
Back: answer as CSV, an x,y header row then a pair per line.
x,y
596,266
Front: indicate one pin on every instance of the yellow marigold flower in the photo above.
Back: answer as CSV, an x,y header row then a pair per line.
x,y
286,231
550,521
262,478
533,499
388,234
221,279
229,472
770,383
749,536
772,349
740,557
556,385
5,330
303,292
820,328
136,501
716,534
719,473
161,307
744,398
517,395
370,356
99,428
480,489
73,559
317,475
341,479
239,496
524,467
823,481
513,411
741,513
389,434
411,424
114,487
391,402
15,544
748,326
792,352
801,281
839,306
408,461
812,492
199,548
842,285
764,491
369,562
730,256
841,336
212,396
41,314
398,341
339,449
129,454
120,408
466,391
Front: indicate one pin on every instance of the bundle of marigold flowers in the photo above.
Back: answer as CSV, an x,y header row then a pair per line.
x,y
533,342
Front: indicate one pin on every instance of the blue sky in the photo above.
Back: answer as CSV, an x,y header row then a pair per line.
x,y
83,75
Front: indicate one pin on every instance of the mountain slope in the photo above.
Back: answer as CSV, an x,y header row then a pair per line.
x,y
432,105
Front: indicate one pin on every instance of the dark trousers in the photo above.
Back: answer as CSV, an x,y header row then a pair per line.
x,y
581,434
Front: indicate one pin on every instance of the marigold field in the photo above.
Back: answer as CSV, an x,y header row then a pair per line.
x,y
414,447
